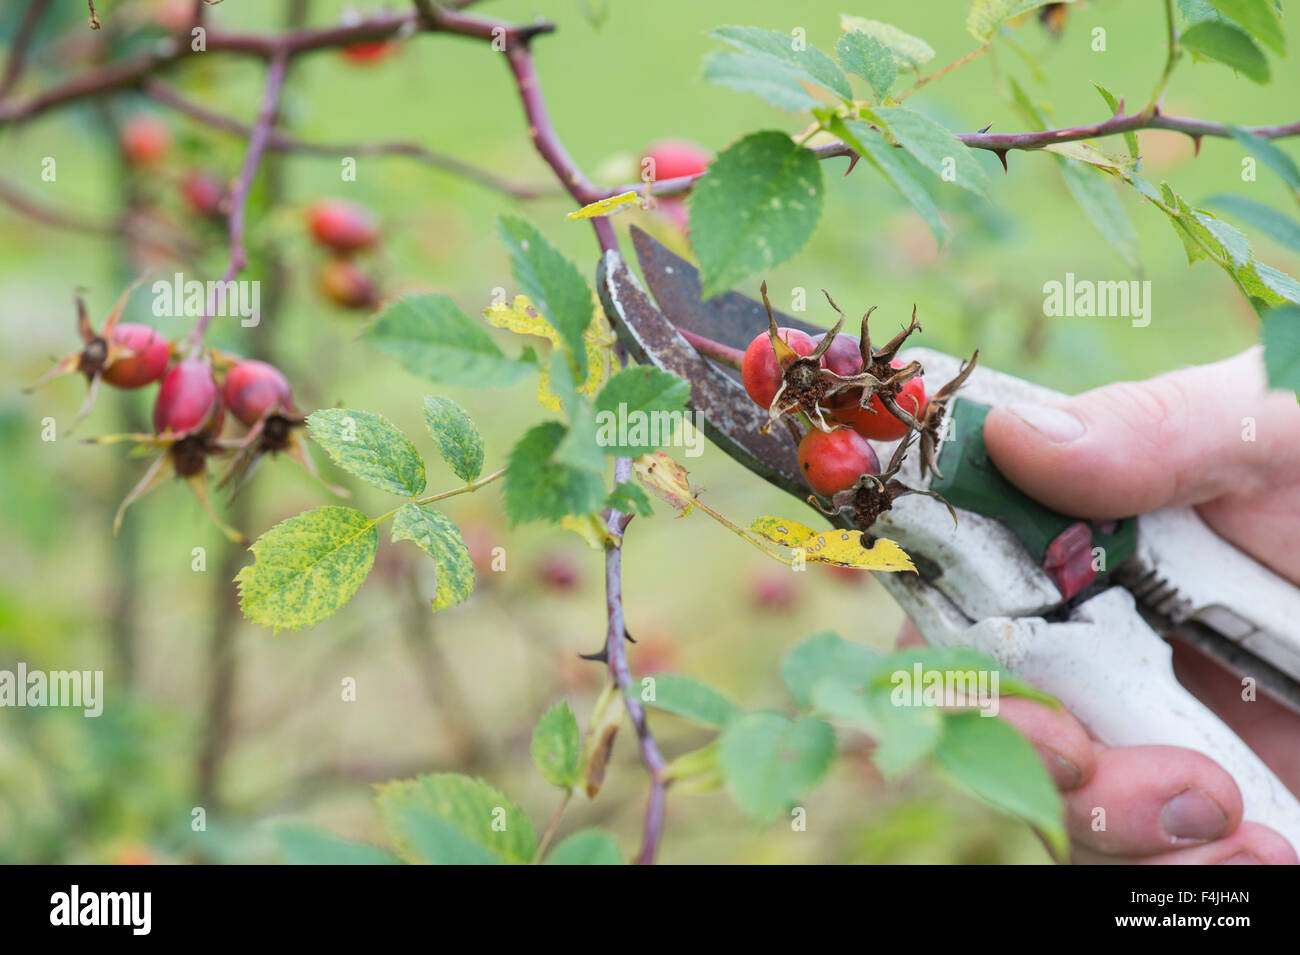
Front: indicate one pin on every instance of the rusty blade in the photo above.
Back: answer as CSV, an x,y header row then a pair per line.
x,y
732,319
731,420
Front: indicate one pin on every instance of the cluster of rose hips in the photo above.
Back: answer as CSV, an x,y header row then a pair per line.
x,y
146,143
344,229
847,392
191,404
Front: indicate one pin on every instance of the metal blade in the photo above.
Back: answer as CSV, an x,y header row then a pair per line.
x,y
732,319
731,420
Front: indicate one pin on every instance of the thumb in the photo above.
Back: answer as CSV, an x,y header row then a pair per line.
x,y
1182,438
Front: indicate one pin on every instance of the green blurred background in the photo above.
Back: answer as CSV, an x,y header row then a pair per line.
x,y
203,710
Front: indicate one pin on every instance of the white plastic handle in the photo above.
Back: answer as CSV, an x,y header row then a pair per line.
x,y
1115,674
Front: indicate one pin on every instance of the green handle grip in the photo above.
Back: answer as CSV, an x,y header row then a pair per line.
x,y
972,482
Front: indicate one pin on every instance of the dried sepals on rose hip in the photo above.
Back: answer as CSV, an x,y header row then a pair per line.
x,y
187,417
932,418
123,354
259,397
874,494
821,375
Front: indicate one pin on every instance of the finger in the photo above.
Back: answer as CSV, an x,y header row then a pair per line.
x,y
1132,447
1250,844
1060,739
1142,800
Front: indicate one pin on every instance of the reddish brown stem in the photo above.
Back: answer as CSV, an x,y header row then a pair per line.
x,y
243,183
279,141
722,354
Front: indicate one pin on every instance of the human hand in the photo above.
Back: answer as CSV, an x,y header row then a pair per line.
x,y
1179,439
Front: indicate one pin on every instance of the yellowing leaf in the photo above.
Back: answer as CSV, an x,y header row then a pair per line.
x,y
666,479
1086,152
522,318
590,528
835,546
603,207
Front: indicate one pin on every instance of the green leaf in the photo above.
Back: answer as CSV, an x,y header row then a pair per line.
x,y
769,761
690,699
997,764
1130,139
307,567
430,336
1102,207
1256,17
1270,154
1228,45
986,16
537,488
580,447
865,55
1278,226
904,735
307,845
556,746
371,447
1282,286
630,498
1282,348
871,146
438,536
449,819
555,285
823,656
1230,239
755,207
638,409
459,442
588,847
892,669
761,76
936,148
806,61
910,52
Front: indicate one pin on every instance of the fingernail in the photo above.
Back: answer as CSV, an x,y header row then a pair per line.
x,y
1064,773
1055,424
1193,815
1241,858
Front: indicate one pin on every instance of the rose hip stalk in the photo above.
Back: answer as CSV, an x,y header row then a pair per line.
x,y
124,355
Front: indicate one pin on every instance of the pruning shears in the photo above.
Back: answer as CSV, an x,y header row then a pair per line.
x,y
1076,608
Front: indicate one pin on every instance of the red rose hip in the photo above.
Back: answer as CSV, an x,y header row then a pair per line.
x,y
342,226
833,461
188,400
253,388
882,426
760,371
147,364
145,139
344,283
677,157
203,192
